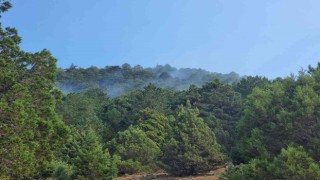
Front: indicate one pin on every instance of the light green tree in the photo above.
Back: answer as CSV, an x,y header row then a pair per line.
x,y
87,156
134,147
292,163
155,125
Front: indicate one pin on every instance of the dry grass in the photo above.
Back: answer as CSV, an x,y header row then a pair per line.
x,y
212,175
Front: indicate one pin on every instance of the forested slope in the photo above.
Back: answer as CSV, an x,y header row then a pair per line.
x,y
116,80
260,128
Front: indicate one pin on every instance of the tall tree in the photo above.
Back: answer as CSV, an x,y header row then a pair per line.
x,y
30,130
192,146
89,159
156,125
220,107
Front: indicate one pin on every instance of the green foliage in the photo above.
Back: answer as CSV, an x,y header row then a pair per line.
x,y
4,6
191,147
30,130
155,125
134,146
152,97
254,170
294,163
119,80
284,112
253,147
62,170
61,174
87,157
122,111
220,107
246,85
36,144
131,167
291,163
118,115
83,110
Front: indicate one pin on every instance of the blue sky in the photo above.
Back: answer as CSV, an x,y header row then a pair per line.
x,y
250,37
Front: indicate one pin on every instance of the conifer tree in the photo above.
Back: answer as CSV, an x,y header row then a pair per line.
x,y
192,146
30,130
86,154
134,147
155,124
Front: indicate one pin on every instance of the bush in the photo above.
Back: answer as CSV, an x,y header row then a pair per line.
x,y
131,167
255,169
62,170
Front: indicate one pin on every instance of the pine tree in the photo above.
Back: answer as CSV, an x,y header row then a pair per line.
x,y
134,147
30,130
283,112
156,125
87,156
192,146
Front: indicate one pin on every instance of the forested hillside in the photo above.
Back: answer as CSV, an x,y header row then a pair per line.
x,y
149,121
116,80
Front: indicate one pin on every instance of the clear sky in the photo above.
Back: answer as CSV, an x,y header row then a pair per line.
x,y
250,37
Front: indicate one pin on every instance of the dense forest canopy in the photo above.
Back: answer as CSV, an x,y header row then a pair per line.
x,y
115,121
116,80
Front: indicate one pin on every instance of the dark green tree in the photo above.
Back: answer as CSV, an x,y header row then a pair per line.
x,y
118,115
220,107
191,148
247,84
284,112
122,111
152,97
81,111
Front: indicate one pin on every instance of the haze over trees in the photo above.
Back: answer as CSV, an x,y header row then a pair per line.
x,y
127,120
116,80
